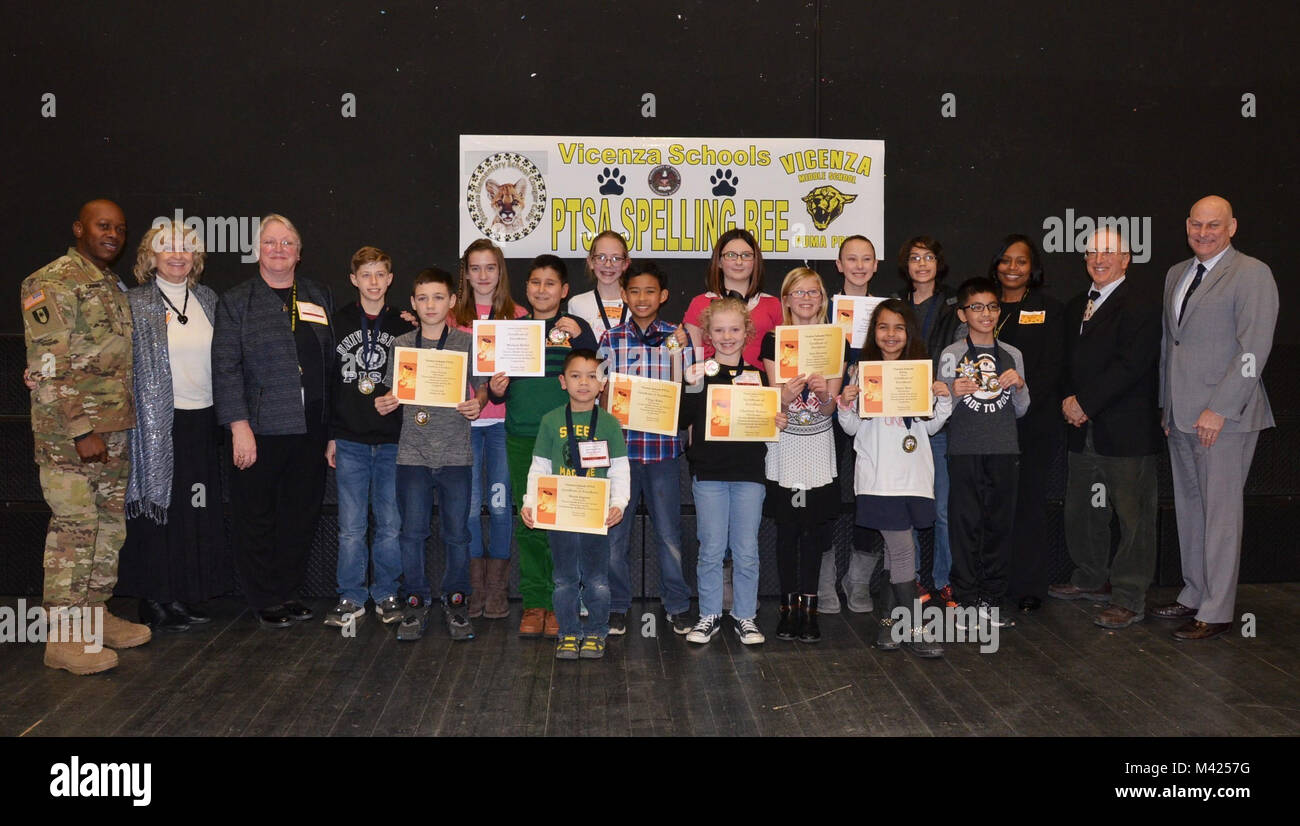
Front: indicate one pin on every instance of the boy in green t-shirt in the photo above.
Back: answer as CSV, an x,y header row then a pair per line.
x,y
580,439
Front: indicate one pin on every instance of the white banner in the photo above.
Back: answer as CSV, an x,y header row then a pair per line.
x,y
670,197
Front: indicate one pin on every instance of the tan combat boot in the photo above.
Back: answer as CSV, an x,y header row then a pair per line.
x,y
72,656
120,633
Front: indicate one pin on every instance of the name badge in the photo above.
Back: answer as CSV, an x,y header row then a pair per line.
x,y
314,313
593,454
748,377
1033,316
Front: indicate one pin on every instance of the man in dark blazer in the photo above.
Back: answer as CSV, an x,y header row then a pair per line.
x,y
1111,390
1220,309
272,351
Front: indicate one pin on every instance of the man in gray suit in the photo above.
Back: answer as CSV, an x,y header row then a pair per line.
x,y
1220,308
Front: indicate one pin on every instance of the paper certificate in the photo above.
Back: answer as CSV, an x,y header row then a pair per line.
x,y
647,405
516,348
808,349
895,388
579,504
430,378
741,413
852,314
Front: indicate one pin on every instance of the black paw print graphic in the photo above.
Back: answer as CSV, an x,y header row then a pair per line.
x,y
724,182
611,183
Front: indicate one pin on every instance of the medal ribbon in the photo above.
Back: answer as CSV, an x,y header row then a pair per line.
x,y
575,458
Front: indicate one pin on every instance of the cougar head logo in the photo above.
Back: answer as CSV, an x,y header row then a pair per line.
x,y
825,204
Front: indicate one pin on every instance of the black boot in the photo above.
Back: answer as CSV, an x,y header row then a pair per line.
x,y
884,604
786,628
188,613
160,618
913,639
808,618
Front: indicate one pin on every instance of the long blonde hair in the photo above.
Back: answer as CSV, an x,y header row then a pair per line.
x,y
794,277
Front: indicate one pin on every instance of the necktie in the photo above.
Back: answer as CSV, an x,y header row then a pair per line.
x,y
1196,282
1093,295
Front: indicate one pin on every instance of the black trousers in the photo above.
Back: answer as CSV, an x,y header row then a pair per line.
x,y
1040,443
275,505
981,521
799,552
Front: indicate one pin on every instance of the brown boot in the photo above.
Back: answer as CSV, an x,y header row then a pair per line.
x,y
497,605
477,586
120,633
552,626
533,622
72,656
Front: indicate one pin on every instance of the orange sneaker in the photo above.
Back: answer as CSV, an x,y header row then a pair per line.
x,y
945,597
533,622
552,626
922,593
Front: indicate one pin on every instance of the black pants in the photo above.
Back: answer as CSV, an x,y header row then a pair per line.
x,y
275,505
799,552
981,514
1039,446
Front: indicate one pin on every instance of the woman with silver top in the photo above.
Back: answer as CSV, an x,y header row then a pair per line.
x,y
175,552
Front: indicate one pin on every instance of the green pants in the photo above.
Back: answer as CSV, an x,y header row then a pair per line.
x,y
535,583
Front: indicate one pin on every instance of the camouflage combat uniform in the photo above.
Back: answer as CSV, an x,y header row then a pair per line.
x,y
77,324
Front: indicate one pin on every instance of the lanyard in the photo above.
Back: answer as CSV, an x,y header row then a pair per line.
x,y
367,345
604,317
442,339
575,458
997,357
648,339
293,308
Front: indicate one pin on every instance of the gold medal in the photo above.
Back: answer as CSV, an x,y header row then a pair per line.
x,y
422,417
365,385
672,343
909,443
711,367
557,336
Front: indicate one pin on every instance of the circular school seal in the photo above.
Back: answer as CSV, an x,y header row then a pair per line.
x,y
909,443
422,417
664,180
506,196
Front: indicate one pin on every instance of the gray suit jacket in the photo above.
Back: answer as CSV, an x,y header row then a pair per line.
x,y
1215,358
255,359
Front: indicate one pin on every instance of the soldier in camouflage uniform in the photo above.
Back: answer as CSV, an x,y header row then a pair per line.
x,y
77,324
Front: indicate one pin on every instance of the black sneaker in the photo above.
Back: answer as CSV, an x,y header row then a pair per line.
x,y
705,629
454,612
617,623
681,623
389,609
996,615
414,619
345,613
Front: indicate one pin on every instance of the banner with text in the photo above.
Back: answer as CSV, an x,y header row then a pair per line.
x,y
670,197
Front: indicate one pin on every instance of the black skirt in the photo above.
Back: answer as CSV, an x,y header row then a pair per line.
x,y
895,513
188,559
812,508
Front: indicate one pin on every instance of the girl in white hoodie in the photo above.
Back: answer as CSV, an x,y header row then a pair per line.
x,y
894,472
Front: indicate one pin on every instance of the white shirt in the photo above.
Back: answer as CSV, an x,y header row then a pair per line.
x,y
1188,276
189,349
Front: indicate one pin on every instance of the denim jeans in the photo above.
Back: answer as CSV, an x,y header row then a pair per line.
x,y
660,482
367,480
942,550
415,488
489,470
580,563
728,514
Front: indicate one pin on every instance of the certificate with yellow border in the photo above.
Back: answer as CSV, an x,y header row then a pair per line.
x,y
742,413
579,504
430,378
647,405
895,388
807,349
516,348
852,314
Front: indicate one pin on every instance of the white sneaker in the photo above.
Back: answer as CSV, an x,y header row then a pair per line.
x,y
705,629
748,632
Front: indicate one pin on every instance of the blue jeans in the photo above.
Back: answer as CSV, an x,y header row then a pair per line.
x,y
942,550
367,476
728,514
415,488
580,562
660,482
490,468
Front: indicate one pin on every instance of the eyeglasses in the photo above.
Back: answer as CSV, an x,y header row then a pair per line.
x,y
743,256
917,259
805,293
609,259
1089,255
979,308
271,243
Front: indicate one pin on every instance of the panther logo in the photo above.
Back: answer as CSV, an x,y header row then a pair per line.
x,y
825,204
